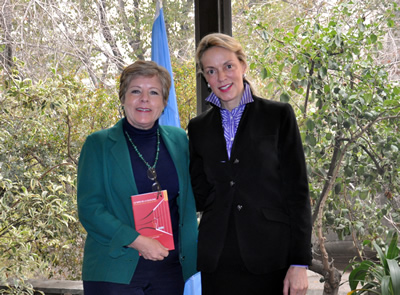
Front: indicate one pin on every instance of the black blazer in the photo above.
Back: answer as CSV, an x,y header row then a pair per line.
x,y
263,185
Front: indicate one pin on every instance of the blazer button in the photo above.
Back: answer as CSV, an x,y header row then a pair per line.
x,y
232,183
236,161
239,207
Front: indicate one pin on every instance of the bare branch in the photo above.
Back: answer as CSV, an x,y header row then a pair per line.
x,y
108,35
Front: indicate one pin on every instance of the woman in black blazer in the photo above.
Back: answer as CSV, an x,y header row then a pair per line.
x,y
249,179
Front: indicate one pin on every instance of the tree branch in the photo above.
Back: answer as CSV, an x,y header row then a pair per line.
x,y
54,167
69,142
108,36
310,73
327,185
373,158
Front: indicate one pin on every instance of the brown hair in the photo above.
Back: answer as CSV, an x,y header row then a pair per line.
x,y
146,69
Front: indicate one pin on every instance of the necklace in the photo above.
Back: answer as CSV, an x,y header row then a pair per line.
x,y
151,169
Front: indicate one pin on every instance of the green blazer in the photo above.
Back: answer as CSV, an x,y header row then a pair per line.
x,y
105,185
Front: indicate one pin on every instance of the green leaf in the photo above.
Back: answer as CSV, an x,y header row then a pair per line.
x,y
346,124
394,275
348,171
385,285
393,249
358,274
295,69
284,97
381,255
338,188
363,195
361,27
264,35
302,72
310,139
310,125
323,72
270,86
264,73
328,136
338,40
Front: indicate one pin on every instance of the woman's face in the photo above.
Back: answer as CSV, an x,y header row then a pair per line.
x,y
143,101
224,72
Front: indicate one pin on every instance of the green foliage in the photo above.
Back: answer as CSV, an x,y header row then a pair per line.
x,y
327,66
380,277
348,112
18,287
44,119
185,88
43,127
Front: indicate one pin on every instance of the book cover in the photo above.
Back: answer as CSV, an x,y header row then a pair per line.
x,y
152,217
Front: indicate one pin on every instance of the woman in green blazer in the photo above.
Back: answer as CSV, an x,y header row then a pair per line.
x,y
136,156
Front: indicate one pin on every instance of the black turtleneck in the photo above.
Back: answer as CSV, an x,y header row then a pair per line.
x,y
146,143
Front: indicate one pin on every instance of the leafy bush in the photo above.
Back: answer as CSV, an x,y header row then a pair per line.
x,y
43,127
381,277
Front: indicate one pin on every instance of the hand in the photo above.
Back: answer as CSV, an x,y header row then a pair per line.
x,y
296,281
150,249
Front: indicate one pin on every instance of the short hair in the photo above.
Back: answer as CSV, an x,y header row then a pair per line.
x,y
141,68
219,40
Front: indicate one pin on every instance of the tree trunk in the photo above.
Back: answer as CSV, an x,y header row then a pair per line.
x,y
332,277
5,18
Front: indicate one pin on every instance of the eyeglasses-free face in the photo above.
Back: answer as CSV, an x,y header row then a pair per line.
x,y
144,101
224,72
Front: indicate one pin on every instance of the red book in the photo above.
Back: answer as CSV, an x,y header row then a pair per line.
x,y
152,217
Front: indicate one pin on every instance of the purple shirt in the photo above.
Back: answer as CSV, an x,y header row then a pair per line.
x,y
230,120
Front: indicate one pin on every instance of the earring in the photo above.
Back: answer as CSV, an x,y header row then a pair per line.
x,y
208,85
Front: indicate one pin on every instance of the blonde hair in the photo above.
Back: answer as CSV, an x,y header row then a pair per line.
x,y
224,41
146,69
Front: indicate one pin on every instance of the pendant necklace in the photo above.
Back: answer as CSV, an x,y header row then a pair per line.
x,y
151,170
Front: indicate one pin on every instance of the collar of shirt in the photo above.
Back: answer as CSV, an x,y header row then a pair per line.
x,y
246,97
230,120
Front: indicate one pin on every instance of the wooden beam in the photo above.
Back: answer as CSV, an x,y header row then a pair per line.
x,y
211,16
53,287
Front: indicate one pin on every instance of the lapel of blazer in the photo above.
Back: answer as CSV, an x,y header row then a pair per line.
x,y
216,133
175,151
243,133
120,153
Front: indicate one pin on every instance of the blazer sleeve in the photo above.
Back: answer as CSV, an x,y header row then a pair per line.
x,y
295,188
200,184
94,197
